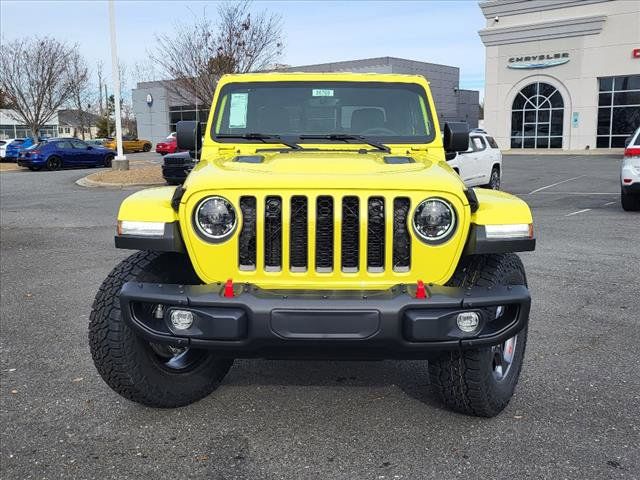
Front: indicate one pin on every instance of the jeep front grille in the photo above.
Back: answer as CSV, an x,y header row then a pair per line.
x,y
350,233
273,234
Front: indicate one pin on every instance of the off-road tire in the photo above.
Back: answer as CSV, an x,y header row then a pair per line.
x,y
125,361
464,380
630,202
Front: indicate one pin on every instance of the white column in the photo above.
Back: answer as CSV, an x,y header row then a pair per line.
x,y
120,162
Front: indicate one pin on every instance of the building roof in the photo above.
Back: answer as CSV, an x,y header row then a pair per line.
x,y
72,118
363,63
11,117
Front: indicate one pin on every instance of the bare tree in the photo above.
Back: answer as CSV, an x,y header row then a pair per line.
x,y
99,74
197,55
80,96
35,79
145,71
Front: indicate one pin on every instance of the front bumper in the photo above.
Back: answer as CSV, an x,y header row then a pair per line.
x,y
320,324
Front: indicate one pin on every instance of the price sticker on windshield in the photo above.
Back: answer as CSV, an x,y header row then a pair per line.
x,y
238,110
319,92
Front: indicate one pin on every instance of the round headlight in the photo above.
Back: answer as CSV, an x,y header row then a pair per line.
x,y
215,218
434,220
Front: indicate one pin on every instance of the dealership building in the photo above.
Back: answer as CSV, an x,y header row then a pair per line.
x,y
158,109
562,74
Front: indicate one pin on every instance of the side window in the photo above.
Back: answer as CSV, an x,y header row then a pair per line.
x,y
63,145
492,142
477,144
79,145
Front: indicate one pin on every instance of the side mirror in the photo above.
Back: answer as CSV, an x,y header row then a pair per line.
x,y
456,137
189,135
89,147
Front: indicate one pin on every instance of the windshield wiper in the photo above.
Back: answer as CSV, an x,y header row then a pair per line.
x,y
263,137
345,137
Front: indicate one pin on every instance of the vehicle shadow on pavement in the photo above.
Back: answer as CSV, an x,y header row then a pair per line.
x,y
410,376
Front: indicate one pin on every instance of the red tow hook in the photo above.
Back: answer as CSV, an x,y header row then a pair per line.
x,y
228,289
421,291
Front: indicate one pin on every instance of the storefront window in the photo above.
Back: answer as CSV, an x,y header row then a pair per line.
x,y
537,117
187,112
618,110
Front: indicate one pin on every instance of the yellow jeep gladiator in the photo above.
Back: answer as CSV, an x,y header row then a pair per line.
x,y
321,221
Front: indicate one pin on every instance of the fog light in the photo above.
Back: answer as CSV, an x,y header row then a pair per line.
x,y
181,319
468,321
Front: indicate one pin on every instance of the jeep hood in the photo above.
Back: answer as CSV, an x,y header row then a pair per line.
x,y
325,170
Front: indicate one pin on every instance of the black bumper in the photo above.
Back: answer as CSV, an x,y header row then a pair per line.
x,y
633,189
334,324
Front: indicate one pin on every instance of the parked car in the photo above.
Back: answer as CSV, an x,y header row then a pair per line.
x,y
297,241
481,164
56,153
630,174
13,149
96,141
176,167
130,144
168,146
3,147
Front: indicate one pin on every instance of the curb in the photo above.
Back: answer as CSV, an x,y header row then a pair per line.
x,y
88,183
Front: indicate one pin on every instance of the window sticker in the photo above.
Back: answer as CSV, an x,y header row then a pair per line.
x,y
238,110
319,92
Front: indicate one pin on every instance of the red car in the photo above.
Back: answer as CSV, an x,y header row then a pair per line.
x,y
170,145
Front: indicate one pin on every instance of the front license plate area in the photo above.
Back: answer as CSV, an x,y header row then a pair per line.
x,y
325,324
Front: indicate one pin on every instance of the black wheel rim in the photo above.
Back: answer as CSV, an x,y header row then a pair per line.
x,y
502,357
54,163
176,359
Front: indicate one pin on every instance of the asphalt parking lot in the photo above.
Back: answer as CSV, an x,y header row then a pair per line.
x,y
575,413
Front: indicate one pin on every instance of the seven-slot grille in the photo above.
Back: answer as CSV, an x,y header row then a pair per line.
x,y
327,213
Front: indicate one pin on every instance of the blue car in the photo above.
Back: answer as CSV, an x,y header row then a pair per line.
x,y
56,153
14,148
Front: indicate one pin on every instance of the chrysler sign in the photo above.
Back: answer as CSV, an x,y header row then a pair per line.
x,y
528,62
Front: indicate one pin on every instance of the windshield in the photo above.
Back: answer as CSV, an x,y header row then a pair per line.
x,y
387,112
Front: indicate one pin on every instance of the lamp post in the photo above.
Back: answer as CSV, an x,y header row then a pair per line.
x,y
120,162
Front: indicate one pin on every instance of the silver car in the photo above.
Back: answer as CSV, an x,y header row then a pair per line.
x,y
630,174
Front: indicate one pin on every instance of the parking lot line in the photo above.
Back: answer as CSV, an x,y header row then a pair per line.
x,y
576,213
554,184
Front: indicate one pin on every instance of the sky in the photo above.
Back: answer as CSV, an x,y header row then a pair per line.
x,y
314,31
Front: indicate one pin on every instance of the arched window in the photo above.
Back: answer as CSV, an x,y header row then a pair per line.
x,y
536,117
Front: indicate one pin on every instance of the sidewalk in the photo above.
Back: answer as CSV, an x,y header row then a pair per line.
x,y
11,167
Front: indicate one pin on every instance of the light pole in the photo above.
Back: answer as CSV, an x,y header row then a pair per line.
x,y
120,162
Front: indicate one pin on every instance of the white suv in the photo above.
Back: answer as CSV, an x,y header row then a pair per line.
x,y
481,164
3,146
630,174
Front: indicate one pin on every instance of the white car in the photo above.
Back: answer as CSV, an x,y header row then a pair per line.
x,y
481,164
630,174
3,146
